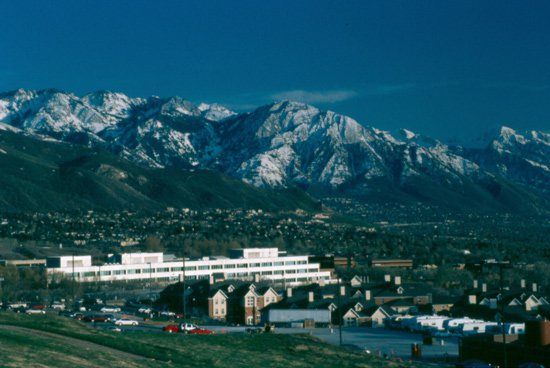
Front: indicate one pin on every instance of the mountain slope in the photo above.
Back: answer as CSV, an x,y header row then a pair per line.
x,y
521,158
43,176
286,145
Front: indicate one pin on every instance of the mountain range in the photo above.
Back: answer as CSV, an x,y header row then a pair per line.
x,y
285,146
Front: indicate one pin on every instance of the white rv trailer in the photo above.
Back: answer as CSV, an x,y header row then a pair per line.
x,y
472,328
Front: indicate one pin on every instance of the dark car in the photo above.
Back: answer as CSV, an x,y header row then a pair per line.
x,y
94,318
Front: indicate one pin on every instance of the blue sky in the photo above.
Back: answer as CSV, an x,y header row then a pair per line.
x,y
442,68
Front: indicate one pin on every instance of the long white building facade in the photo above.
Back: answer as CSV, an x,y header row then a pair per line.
x,y
249,264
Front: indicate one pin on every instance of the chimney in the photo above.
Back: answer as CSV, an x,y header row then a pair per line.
x,y
387,278
256,277
534,287
342,291
289,293
472,299
523,284
211,279
311,297
368,295
484,287
476,284
397,280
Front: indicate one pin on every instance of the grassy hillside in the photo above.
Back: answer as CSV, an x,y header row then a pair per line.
x,y
48,176
50,341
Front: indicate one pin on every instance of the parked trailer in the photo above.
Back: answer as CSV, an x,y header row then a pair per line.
x,y
509,329
423,323
472,328
452,325
396,321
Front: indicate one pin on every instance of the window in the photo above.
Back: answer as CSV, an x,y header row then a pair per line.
x,y
216,311
255,265
163,269
249,301
204,267
266,264
290,263
215,301
190,268
229,266
278,263
177,269
105,273
267,273
216,267
223,311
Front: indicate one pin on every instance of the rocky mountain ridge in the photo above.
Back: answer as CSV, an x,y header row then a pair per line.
x,y
287,144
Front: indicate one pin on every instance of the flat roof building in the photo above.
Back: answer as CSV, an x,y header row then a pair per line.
x,y
248,264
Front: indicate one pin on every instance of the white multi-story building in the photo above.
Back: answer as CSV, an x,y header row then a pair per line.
x,y
251,264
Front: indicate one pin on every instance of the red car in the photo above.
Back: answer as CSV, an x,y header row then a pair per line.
x,y
201,331
171,328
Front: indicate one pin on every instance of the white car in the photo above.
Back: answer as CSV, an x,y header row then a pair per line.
x,y
126,322
35,311
109,309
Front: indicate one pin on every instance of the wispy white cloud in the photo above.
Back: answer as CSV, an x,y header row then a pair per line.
x,y
327,96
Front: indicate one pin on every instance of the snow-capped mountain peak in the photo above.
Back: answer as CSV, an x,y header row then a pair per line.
x,y
282,144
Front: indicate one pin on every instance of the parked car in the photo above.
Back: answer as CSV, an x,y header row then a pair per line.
x,y
94,318
58,306
187,327
35,311
171,328
38,306
126,322
110,309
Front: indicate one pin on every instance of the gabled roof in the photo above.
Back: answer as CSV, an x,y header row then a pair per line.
x,y
213,292
386,310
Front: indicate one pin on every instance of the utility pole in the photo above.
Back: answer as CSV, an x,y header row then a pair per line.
x,y
72,284
150,287
501,277
183,284
339,313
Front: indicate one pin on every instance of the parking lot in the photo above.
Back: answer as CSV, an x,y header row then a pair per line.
x,y
379,341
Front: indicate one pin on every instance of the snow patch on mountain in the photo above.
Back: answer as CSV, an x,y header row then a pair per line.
x,y
215,112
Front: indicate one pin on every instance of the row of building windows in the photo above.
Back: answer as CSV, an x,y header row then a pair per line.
x,y
147,271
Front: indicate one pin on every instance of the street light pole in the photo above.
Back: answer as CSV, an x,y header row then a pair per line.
x,y
183,284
